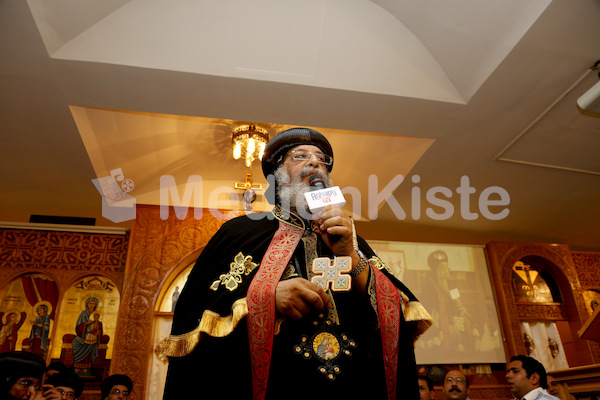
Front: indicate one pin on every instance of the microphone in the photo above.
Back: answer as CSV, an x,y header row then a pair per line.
x,y
316,182
320,195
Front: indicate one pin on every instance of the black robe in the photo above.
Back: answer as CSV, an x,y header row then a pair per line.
x,y
209,353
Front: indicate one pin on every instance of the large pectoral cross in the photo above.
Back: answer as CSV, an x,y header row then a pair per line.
x,y
333,272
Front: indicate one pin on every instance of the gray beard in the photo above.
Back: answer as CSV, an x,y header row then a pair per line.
x,y
291,194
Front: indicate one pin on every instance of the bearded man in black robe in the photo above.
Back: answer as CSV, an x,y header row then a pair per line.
x,y
250,322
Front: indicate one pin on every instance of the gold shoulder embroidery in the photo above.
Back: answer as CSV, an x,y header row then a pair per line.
x,y
377,263
241,266
211,323
288,217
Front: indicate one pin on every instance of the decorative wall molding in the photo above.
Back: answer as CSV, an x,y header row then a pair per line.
x,y
64,256
157,248
64,228
62,250
588,269
550,312
502,256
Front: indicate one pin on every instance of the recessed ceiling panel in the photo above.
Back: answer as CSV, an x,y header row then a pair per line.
x,y
561,136
147,146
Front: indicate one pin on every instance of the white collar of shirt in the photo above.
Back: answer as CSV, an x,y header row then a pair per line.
x,y
534,394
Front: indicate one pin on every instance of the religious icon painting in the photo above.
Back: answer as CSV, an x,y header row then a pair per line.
x,y
27,314
87,325
326,347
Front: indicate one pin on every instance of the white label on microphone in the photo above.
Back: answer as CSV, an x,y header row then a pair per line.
x,y
318,199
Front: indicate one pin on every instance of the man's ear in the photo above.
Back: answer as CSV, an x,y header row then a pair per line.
x,y
535,379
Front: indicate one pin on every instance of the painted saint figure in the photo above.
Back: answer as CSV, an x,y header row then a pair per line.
x,y
89,333
9,328
174,298
325,349
38,339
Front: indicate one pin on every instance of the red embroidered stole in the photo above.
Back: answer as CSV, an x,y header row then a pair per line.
x,y
261,303
261,311
388,307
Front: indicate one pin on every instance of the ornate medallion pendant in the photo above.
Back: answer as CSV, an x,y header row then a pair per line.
x,y
326,346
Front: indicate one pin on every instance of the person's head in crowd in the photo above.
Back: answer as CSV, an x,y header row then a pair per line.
x,y
552,385
426,388
66,384
55,367
292,157
116,387
20,374
524,374
456,385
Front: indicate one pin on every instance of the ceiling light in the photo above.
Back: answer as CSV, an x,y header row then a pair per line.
x,y
248,142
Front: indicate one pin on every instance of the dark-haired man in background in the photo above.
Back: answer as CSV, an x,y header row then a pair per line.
x,y
527,379
426,388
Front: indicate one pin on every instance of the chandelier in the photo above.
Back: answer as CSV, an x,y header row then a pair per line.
x,y
249,141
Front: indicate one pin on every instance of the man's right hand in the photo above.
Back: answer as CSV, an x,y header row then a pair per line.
x,y
297,297
50,393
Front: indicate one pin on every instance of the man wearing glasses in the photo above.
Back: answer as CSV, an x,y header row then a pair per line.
x,y
250,320
116,387
63,386
456,385
21,375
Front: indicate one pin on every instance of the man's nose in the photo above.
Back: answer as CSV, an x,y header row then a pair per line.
x,y
313,160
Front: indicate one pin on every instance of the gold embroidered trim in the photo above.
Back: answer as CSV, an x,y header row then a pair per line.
x,y
215,325
177,345
241,265
288,217
211,323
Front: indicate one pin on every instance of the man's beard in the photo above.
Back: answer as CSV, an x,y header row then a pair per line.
x,y
291,194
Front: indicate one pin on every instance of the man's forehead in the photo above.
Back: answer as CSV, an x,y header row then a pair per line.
x,y
307,147
515,365
66,389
